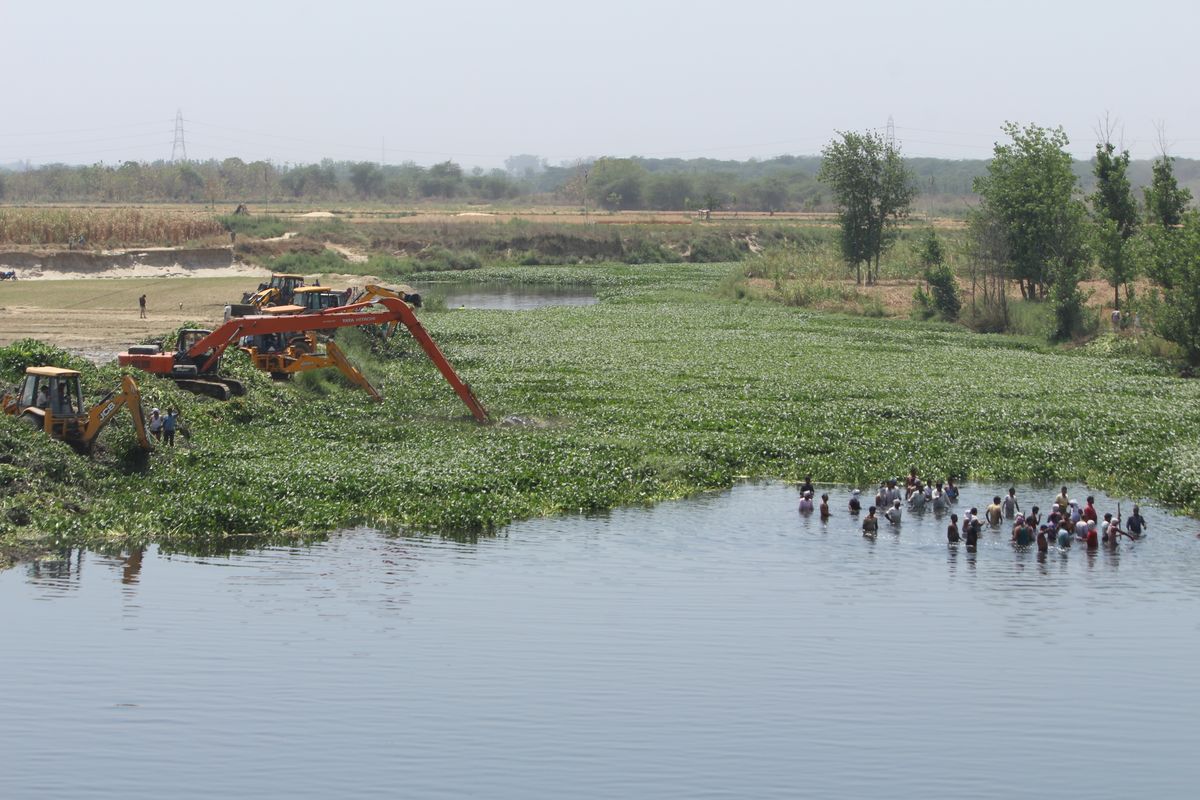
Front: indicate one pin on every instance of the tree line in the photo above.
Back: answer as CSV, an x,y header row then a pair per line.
x,y
784,183
1036,228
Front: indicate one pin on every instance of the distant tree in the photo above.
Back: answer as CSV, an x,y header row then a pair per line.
x,y
1175,266
442,180
524,166
668,191
1115,211
366,178
1165,201
943,286
1030,191
874,192
617,183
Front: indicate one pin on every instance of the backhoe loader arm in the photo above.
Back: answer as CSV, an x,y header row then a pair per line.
x,y
103,412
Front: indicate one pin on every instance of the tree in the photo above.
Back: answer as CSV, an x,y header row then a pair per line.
x,y
366,177
943,286
873,190
617,183
1030,191
524,166
1175,266
1116,214
1165,201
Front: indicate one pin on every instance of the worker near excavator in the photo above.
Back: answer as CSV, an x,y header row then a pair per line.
x,y
43,401
63,406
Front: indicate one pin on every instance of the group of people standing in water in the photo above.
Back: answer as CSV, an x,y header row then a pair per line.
x,y
1066,523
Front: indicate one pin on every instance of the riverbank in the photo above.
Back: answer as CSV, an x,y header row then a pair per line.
x,y
661,390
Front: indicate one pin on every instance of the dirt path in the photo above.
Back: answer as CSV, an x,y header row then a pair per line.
x,y
99,317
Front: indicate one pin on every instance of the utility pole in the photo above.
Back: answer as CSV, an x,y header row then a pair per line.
x,y
891,133
179,146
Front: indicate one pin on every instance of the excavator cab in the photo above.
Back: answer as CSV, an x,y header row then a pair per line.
x,y
50,400
318,298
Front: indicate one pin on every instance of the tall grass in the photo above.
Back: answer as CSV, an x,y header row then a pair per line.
x,y
104,227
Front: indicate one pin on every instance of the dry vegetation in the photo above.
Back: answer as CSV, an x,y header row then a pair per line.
x,y
91,227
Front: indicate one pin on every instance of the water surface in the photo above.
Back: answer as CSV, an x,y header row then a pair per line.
x,y
723,646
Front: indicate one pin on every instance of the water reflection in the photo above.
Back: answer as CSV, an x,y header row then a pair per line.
x,y
719,646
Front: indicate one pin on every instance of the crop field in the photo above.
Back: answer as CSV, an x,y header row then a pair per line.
x,y
663,389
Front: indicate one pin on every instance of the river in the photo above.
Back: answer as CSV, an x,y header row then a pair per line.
x,y
721,646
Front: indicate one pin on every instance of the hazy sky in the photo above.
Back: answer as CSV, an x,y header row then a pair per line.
x,y
478,81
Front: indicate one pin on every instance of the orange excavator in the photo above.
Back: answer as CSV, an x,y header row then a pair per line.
x,y
50,400
195,363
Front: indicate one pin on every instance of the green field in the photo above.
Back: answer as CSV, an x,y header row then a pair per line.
x,y
663,389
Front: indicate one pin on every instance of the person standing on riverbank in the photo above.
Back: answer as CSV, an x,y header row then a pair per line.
x,y
142,307
169,424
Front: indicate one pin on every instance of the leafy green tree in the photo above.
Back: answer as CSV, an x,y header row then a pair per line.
x,y
1116,214
366,178
1165,201
616,183
943,286
668,192
1030,192
1175,266
874,192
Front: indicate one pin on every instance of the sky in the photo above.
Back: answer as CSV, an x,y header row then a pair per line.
x,y
476,82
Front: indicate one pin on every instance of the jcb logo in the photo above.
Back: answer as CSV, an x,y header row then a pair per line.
x,y
107,411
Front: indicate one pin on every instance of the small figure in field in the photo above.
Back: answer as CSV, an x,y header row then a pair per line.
x,y
142,307
952,536
1136,524
169,424
1011,506
855,505
806,503
994,512
870,526
824,506
894,513
156,424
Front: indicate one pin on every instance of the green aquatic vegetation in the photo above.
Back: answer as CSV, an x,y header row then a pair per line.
x,y
661,390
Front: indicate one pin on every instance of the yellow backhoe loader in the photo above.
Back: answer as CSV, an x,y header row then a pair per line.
x,y
50,400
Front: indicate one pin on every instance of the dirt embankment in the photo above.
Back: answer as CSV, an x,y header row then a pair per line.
x,y
149,262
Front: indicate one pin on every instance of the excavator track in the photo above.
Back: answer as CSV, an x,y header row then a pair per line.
x,y
213,389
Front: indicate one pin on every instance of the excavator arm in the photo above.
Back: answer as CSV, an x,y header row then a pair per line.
x,y
103,412
355,314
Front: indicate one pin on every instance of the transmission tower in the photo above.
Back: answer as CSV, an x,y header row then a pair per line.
x,y
891,133
179,146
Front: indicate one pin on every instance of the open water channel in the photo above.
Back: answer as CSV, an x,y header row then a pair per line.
x,y
723,646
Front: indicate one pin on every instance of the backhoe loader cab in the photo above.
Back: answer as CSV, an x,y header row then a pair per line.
x,y
51,400
318,298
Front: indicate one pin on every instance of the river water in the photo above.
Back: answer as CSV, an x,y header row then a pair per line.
x,y
723,646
